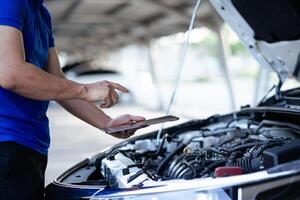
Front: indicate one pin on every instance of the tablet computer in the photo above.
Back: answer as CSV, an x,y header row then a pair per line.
x,y
143,124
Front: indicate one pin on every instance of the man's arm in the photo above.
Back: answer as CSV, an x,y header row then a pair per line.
x,y
28,80
84,110
87,111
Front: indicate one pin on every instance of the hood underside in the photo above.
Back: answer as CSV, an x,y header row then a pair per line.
x,y
270,29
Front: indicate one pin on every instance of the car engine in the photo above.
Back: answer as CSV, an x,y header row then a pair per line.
x,y
239,146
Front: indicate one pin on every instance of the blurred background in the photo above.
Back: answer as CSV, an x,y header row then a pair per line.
x,y
138,44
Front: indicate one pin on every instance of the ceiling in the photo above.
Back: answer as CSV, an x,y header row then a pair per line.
x,y
87,26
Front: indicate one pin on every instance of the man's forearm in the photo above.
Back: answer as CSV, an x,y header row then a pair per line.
x,y
27,79
35,83
81,109
87,112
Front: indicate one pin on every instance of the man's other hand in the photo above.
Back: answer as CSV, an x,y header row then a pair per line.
x,y
104,91
124,120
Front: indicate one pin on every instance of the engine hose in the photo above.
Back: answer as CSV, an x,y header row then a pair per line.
x,y
179,163
181,168
189,173
276,123
248,140
169,157
244,146
176,166
265,146
248,165
182,165
214,150
192,168
232,158
205,163
159,149
175,163
212,166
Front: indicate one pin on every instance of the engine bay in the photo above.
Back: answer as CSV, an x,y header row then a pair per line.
x,y
239,146
220,146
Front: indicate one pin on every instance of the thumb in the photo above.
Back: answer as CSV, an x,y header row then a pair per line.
x,y
125,119
136,118
121,120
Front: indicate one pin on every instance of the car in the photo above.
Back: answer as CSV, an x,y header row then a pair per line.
x,y
253,153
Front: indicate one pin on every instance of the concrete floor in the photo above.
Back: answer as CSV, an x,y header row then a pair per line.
x,y
73,140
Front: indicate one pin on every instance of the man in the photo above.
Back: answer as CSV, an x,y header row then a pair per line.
x,y
30,76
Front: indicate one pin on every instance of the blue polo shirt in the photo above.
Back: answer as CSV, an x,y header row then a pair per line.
x,y
24,120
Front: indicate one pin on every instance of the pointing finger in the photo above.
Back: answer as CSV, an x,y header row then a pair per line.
x,y
119,87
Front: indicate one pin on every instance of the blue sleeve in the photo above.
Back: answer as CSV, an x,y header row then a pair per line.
x,y
51,34
12,13
51,38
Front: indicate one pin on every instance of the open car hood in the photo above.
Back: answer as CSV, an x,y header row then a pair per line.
x,y
270,29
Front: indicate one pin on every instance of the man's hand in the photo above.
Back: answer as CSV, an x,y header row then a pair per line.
x,y
104,91
123,120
